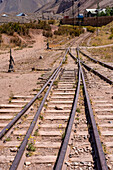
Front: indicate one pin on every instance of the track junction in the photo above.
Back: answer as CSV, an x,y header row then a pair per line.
x,y
67,124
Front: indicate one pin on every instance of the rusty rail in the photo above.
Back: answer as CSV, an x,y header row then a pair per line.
x,y
62,151
97,61
18,157
91,69
100,159
18,116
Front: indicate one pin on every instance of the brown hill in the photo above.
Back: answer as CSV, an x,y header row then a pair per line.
x,y
27,6
66,6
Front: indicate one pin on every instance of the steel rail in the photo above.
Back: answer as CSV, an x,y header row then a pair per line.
x,y
97,61
17,117
100,157
20,152
62,152
92,70
73,56
97,73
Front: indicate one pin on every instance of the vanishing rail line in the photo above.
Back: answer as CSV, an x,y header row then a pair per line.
x,y
16,118
57,127
97,61
91,69
101,95
95,139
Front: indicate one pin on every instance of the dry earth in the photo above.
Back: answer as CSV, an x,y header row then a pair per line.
x,y
23,80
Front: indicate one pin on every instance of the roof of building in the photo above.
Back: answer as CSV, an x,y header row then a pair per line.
x,y
94,11
80,15
4,15
21,14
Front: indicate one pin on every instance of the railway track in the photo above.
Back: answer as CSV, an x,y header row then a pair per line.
x,y
101,91
60,131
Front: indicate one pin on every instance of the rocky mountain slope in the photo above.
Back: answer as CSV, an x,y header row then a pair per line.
x,y
65,6
28,6
56,6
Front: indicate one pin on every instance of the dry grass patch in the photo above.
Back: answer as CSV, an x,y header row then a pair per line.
x,y
103,37
105,53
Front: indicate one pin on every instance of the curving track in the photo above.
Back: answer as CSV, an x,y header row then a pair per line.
x,y
62,126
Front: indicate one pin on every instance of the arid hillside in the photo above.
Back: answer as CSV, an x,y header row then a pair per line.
x,y
28,6
66,5
56,6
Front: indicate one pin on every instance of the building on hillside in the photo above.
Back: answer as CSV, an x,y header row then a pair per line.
x,y
4,15
93,12
80,16
21,14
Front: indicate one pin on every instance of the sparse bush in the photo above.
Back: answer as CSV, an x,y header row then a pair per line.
x,y
112,30
47,34
16,41
91,29
0,38
69,30
111,36
23,29
10,28
31,147
51,22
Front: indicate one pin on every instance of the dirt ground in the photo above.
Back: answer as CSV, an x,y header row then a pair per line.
x,y
23,80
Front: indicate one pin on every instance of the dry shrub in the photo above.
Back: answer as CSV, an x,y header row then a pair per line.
x,y
91,29
69,30
51,22
16,41
47,34
0,38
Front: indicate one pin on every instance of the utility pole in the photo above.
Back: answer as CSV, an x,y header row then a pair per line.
x,y
73,11
11,62
63,7
97,14
78,12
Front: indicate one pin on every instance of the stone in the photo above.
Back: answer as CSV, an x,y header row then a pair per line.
x,y
85,137
82,163
58,108
13,149
41,57
67,163
76,163
80,169
49,165
90,168
109,167
76,152
33,68
110,122
27,163
89,164
73,148
70,155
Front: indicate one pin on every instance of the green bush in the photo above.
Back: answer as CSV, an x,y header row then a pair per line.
x,y
91,29
31,147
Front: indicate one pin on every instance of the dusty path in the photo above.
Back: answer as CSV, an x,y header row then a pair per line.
x,y
23,80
